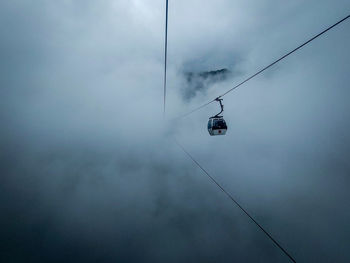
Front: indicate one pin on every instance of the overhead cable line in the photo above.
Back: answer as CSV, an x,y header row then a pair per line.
x,y
165,53
233,200
268,66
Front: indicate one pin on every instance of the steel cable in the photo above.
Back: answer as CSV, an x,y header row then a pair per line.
x,y
268,66
233,200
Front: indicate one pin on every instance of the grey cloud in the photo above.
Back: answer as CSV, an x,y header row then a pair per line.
x,y
89,171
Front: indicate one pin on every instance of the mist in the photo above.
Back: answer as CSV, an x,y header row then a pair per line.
x,y
89,168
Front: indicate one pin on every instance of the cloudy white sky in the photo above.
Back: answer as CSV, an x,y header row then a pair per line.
x,y
89,171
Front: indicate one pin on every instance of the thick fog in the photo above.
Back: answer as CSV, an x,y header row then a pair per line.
x,y
89,168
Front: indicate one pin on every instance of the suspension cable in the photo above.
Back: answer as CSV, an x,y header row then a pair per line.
x,y
165,53
268,66
234,201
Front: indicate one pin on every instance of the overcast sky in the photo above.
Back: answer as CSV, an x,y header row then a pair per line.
x,y
89,171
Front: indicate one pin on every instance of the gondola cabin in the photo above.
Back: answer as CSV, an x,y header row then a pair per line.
x,y
217,126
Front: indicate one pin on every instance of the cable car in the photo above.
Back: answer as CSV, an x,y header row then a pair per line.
x,y
217,124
